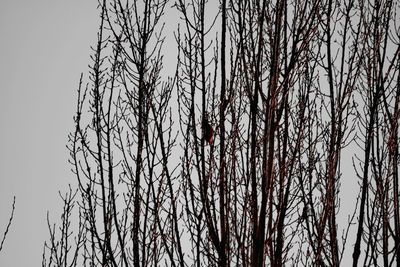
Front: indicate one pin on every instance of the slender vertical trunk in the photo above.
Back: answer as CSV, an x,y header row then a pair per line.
x,y
395,167
141,135
364,186
259,229
223,260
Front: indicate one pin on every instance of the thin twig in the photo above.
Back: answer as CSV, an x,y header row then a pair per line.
x,y
8,225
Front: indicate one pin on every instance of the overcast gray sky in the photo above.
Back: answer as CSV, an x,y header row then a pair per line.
x,y
45,45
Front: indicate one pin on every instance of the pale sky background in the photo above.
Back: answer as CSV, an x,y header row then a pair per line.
x,y
44,46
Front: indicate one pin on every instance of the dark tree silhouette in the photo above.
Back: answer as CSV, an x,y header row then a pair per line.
x,y
246,169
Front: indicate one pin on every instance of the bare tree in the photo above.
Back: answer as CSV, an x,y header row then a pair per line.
x,y
266,112
378,225
121,146
270,95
